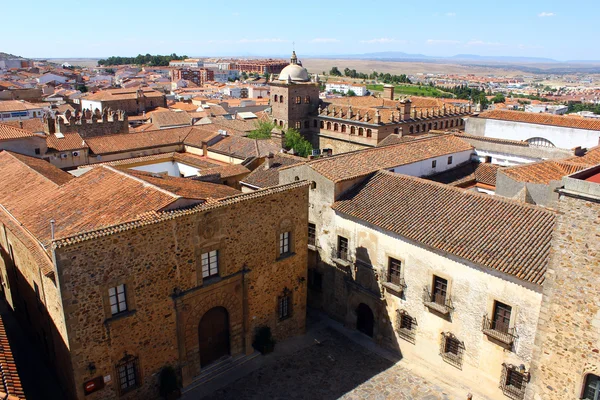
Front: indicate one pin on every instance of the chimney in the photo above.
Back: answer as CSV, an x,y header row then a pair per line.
x,y
406,112
20,124
269,161
388,91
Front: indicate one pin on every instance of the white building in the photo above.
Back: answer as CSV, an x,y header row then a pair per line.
x,y
50,77
556,109
187,63
345,87
225,75
13,110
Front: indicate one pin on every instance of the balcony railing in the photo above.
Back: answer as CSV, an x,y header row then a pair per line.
x,y
498,331
513,381
437,302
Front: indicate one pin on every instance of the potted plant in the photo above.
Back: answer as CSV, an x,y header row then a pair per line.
x,y
169,385
263,340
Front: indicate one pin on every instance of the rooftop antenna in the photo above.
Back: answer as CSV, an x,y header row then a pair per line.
x,y
52,228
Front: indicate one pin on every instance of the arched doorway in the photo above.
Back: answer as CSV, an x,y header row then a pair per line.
x,y
364,319
213,334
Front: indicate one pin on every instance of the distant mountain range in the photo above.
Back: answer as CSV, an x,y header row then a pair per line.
x,y
7,56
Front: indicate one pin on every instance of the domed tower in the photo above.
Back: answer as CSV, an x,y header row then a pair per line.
x,y
294,98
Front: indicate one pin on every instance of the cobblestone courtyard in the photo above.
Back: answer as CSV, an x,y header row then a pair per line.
x,y
335,368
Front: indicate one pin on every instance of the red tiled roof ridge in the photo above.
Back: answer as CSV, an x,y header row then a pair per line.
x,y
143,182
12,154
153,217
542,119
9,132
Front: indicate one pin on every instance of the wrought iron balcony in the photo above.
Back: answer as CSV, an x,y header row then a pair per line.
x,y
498,331
437,302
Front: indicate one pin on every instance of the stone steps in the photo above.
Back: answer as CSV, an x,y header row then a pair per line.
x,y
219,368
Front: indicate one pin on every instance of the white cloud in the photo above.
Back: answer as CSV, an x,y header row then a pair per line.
x,y
450,14
546,14
383,40
325,40
483,43
441,41
265,40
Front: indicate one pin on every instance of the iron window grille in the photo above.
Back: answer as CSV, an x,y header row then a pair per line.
x,y
128,374
499,332
284,243
118,299
312,234
513,381
438,298
285,304
452,349
342,250
406,326
591,390
210,264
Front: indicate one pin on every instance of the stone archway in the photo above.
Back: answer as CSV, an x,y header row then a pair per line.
x,y
213,336
364,319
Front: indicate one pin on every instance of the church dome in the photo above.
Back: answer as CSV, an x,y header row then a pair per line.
x,y
294,72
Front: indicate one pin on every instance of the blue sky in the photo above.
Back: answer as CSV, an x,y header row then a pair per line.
x,y
563,30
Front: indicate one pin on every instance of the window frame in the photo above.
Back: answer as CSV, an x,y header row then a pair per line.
x,y
343,254
449,160
284,305
394,275
118,301
433,163
312,234
131,383
208,258
284,243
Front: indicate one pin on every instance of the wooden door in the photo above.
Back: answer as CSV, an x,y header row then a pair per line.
x,y
213,333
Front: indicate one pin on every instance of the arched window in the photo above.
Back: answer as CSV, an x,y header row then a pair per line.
x,y
396,131
281,99
360,131
369,133
322,124
435,125
328,126
591,388
307,100
275,98
275,122
306,124
280,123
335,127
298,100
343,128
446,124
353,130
429,126
461,122
452,124
418,129
315,123
411,130
424,127
539,141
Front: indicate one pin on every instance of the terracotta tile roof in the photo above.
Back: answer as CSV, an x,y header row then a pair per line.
x,y
8,132
69,141
243,147
11,383
18,105
236,125
226,171
138,140
263,177
492,139
591,157
184,106
31,125
469,173
496,233
121,94
170,118
200,135
542,119
543,171
185,187
41,167
397,139
363,162
197,161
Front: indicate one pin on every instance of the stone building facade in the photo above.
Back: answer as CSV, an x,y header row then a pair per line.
x,y
87,123
183,288
133,101
567,357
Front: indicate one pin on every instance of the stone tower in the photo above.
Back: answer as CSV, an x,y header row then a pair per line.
x,y
566,360
294,97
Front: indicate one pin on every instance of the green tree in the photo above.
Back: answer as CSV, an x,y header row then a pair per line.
x,y
351,93
294,140
262,131
244,75
335,72
499,98
82,88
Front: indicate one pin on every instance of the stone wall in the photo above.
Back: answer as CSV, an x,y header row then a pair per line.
x,y
567,345
160,265
287,111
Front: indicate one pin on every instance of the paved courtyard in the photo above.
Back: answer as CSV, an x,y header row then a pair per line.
x,y
336,367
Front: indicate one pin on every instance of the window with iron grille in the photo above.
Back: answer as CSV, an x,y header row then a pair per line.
x,y
452,349
406,326
394,275
210,264
285,304
591,390
118,299
128,374
312,234
284,243
513,381
342,248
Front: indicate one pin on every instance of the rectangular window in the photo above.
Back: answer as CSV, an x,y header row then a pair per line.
x,y
394,271
342,248
501,317
284,243
514,382
312,234
284,306
433,163
37,151
440,288
128,375
449,160
118,300
210,264
452,349
406,326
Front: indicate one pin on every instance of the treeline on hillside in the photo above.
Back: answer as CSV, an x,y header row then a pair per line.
x,y
466,93
385,78
148,59
595,108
